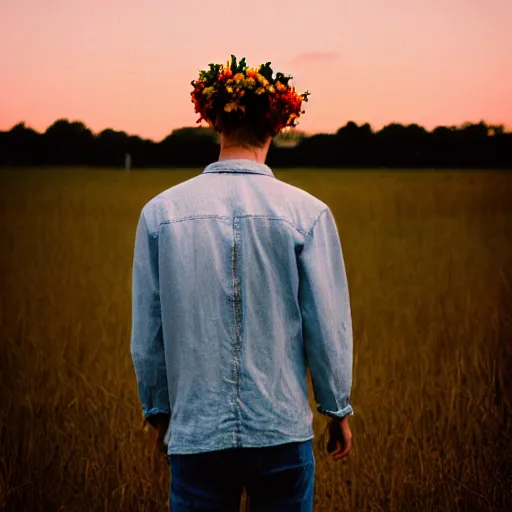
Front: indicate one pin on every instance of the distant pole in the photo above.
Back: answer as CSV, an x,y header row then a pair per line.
x,y
127,161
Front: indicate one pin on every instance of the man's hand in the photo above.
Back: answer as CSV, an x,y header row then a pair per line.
x,y
339,438
160,422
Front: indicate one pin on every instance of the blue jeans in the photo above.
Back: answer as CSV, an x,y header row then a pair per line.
x,y
277,478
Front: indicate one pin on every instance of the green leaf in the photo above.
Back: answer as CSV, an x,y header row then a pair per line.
x,y
266,71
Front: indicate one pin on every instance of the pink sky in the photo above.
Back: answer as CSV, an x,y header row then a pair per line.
x,y
127,64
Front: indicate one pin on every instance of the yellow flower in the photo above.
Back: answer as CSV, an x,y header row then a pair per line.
x,y
249,82
229,89
262,80
208,90
280,87
230,106
260,90
271,89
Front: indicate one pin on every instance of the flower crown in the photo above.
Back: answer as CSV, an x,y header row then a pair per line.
x,y
235,87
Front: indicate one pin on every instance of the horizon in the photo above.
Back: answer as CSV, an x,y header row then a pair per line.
x,y
128,68
306,134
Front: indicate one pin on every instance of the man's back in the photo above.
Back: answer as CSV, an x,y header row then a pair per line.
x,y
242,278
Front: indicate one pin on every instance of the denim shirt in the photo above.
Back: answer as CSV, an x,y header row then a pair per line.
x,y
238,287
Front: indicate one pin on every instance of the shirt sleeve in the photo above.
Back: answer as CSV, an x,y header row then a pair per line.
x,y
326,317
147,344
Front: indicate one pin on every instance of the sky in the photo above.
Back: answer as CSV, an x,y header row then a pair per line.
x,y
127,65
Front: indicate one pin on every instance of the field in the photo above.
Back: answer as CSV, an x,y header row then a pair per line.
x,y
429,264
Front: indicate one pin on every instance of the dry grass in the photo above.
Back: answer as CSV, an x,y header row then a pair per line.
x,y
428,257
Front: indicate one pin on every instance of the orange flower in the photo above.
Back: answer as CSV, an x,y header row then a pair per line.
x,y
239,76
280,87
250,82
262,80
225,73
226,70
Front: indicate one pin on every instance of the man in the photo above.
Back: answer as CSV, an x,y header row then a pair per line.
x,y
239,286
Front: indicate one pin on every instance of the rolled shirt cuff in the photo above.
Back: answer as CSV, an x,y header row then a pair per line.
x,y
154,411
340,413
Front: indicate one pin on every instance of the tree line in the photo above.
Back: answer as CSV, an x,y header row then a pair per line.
x,y
471,145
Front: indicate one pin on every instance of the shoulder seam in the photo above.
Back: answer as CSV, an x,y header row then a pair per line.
x,y
316,221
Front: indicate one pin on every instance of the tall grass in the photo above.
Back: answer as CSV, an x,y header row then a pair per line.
x,y
429,263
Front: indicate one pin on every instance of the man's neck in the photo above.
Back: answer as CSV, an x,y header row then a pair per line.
x,y
235,152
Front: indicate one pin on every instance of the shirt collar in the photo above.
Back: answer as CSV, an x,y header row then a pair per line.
x,y
239,165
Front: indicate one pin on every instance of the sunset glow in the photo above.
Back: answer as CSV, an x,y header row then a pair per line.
x,y
128,65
